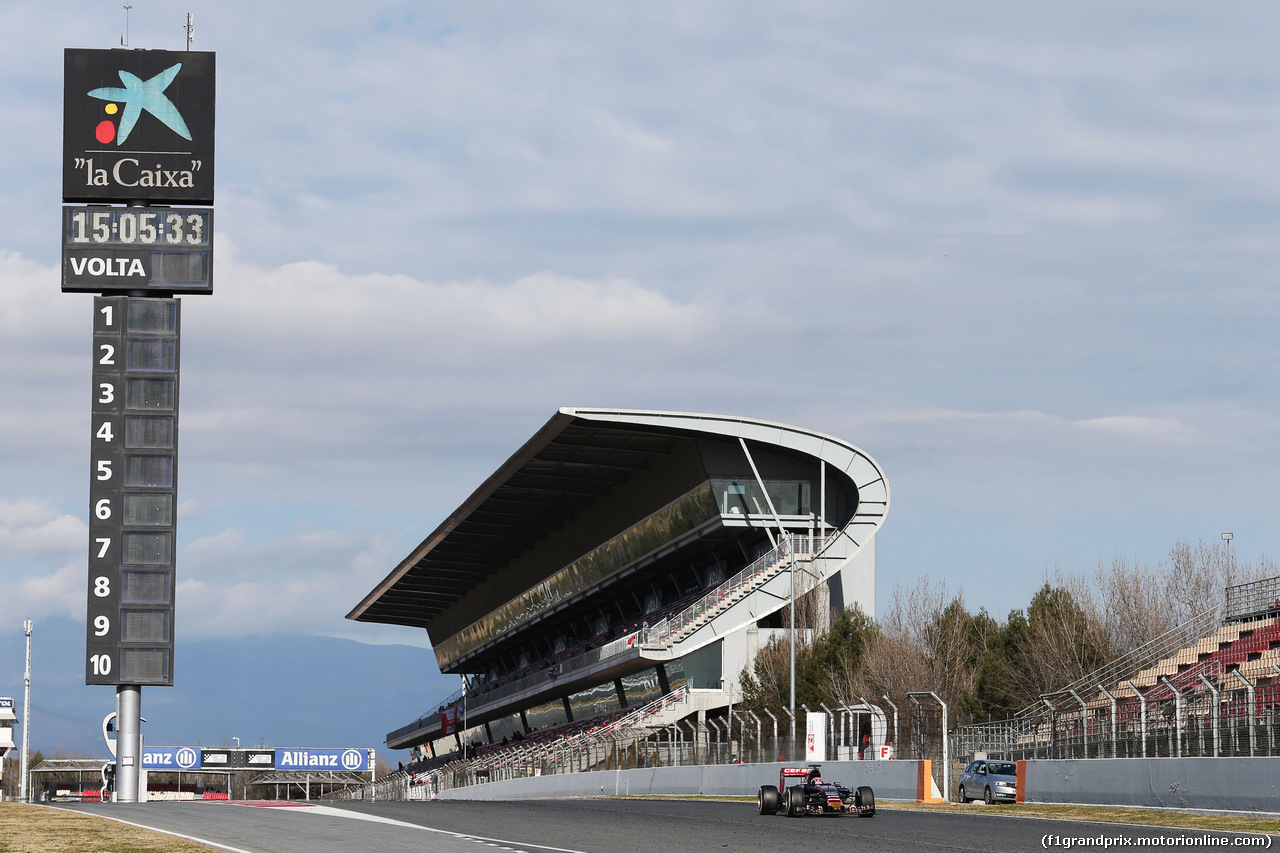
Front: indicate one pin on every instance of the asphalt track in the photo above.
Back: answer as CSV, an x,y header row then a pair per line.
x,y
607,826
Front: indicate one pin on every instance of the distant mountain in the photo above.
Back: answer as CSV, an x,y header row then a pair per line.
x,y
273,689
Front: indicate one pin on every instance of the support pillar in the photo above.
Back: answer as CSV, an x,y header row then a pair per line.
x,y
568,709
622,692
524,722
663,683
128,742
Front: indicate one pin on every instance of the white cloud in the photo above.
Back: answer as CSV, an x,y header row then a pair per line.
x,y
61,593
1161,430
1008,248
31,527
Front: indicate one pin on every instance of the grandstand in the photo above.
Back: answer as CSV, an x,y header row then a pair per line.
x,y
619,570
1208,687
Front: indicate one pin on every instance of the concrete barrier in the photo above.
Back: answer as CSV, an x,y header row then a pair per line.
x,y
891,780
1219,784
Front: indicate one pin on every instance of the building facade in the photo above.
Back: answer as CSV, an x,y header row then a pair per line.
x,y
621,554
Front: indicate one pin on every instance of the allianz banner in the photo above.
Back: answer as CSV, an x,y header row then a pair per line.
x,y
171,758
336,760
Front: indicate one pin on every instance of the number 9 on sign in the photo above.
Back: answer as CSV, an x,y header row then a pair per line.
x,y
101,625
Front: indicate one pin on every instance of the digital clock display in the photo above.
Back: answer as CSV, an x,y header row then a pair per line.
x,y
137,226
157,250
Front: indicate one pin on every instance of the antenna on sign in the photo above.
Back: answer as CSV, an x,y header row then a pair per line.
x,y
124,39
191,29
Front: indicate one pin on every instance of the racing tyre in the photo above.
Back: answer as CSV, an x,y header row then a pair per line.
x,y
986,797
963,798
865,799
795,802
768,799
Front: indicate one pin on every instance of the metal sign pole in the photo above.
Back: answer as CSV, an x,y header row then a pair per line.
x,y
128,742
24,780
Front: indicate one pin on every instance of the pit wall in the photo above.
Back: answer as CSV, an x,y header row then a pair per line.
x,y
1221,784
890,780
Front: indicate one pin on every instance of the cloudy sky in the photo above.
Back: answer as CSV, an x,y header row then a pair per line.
x,y
1024,254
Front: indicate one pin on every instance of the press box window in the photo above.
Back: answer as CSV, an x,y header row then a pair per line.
x,y
140,666
146,587
153,354
160,315
148,549
148,471
149,394
148,510
144,626
142,432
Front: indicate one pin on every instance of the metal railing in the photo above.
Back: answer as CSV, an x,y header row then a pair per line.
x,y
791,550
1252,599
664,733
1213,721
1143,657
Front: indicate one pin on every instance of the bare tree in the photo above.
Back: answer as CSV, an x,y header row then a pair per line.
x,y
925,642
1140,602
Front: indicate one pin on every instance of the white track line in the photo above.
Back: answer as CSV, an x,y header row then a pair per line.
x,y
331,811
204,841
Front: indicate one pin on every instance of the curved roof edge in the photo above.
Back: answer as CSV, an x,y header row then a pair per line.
x,y
860,467
850,459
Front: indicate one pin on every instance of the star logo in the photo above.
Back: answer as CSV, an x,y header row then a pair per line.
x,y
138,95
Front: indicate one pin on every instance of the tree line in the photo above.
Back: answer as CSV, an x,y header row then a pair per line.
x,y
990,669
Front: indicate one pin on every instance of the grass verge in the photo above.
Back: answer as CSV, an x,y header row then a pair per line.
x,y
1108,814
1094,814
40,829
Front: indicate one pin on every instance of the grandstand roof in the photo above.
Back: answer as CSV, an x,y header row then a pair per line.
x,y
578,456
563,468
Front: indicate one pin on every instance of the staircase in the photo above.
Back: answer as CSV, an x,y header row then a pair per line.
x,y
790,551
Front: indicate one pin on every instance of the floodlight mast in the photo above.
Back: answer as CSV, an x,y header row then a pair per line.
x,y
24,780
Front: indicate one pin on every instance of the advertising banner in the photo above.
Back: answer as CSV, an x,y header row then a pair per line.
x,y
815,741
354,760
171,758
137,125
